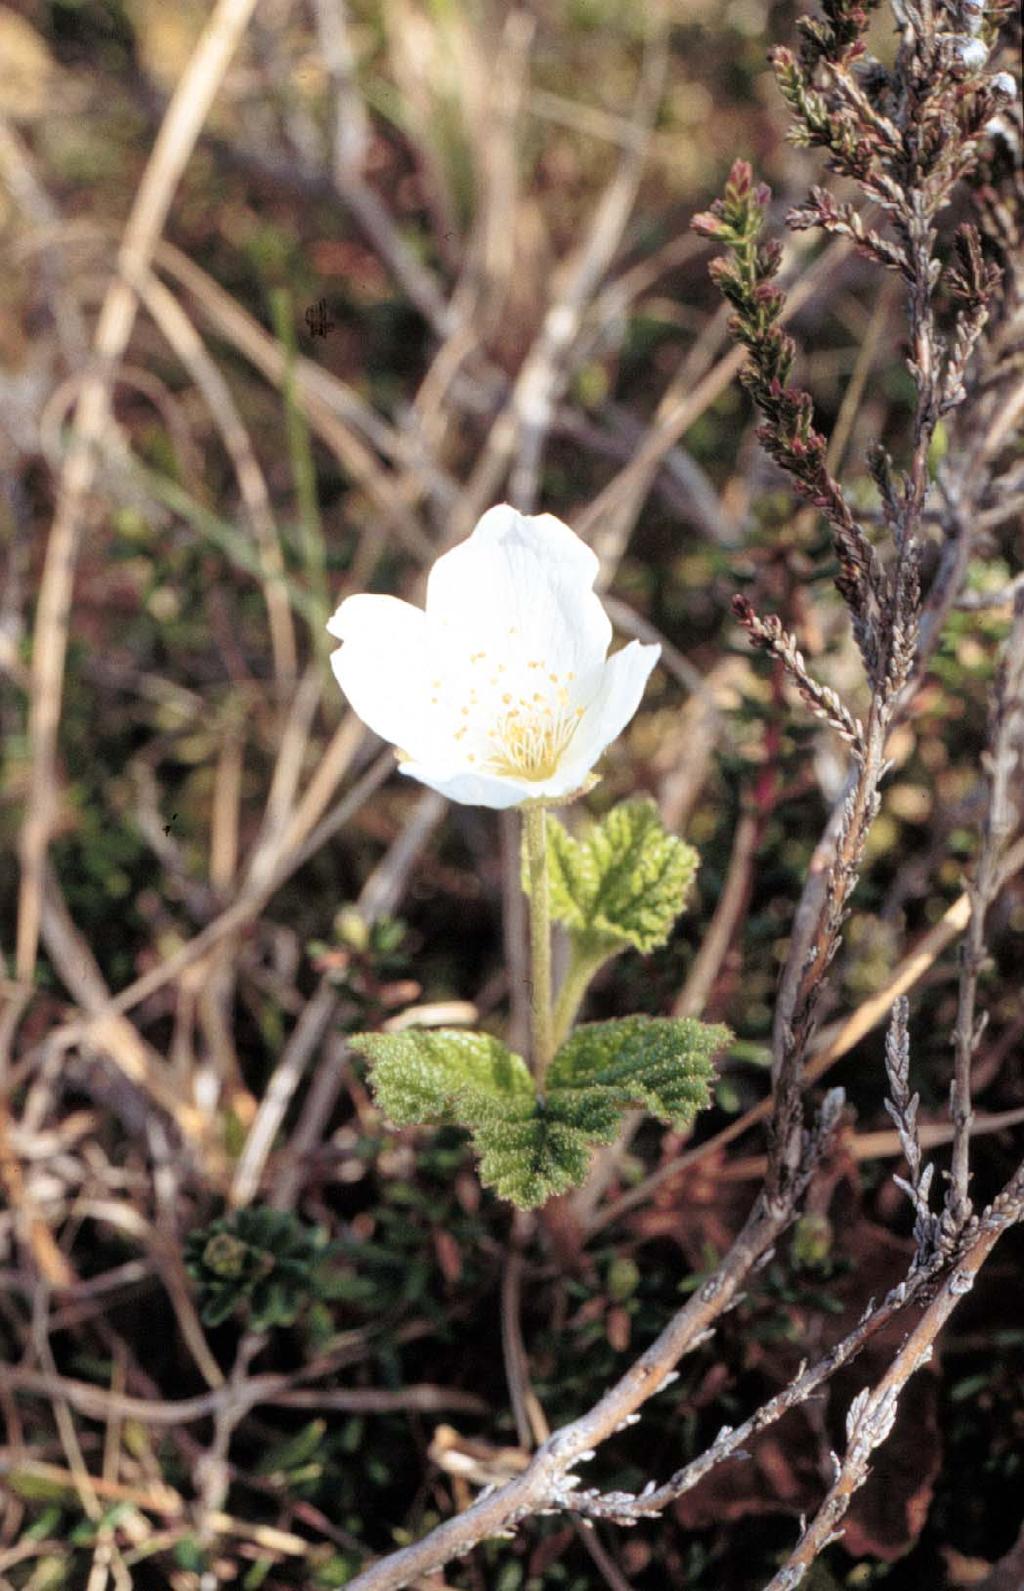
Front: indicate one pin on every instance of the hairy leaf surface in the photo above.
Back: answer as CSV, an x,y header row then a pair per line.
x,y
624,882
534,1146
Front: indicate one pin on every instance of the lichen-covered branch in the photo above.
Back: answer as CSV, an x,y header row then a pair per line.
x,y
873,1412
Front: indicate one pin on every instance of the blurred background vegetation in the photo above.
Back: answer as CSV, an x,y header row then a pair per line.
x,y
423,180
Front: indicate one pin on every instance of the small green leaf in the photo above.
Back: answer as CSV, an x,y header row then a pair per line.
x,y
276,1306
219,1309
87,1531
623,1278
46,1524
293,1451
624,883
257,1574
51,1572
37,1485
189,1554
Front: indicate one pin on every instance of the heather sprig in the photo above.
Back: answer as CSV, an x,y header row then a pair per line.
x,y
746,276
906,135
972,282
893,130
902,1107
771,637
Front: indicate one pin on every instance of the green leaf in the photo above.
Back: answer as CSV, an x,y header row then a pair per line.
x,y
86,1532
36,1485
658,1062
45,1524
292,1451
444,1075
217,1311
623,883
530,1146
274,1305
529,1161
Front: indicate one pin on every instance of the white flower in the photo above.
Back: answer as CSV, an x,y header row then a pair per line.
x,y
501,691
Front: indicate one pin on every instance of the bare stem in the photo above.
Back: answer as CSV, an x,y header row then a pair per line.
x,y
541,1028
1005,754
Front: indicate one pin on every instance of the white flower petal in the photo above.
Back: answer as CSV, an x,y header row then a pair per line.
x,y
521,587
383,667
498,791
387,621
472,789
545,533
625,679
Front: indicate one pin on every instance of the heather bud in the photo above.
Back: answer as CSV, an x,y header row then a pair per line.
x,y
971,53
707,224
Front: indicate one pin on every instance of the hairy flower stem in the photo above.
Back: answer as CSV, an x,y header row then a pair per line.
x,y
574,987
542,1043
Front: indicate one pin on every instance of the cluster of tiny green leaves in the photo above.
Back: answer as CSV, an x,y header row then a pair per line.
x,y
531,1145
621,885
266,1265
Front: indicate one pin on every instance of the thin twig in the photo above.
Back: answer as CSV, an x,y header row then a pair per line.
x,y
1005,769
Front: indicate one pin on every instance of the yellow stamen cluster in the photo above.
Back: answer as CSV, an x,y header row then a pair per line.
x,y
530,745
521,736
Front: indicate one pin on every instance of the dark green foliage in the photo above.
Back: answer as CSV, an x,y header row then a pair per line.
x,y
296,1461
532,1146
365,961
266,1263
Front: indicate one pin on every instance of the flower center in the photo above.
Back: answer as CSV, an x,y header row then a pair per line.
x,y
527,744
517,718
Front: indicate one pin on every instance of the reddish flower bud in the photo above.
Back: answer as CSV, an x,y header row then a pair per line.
x,y
707,224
